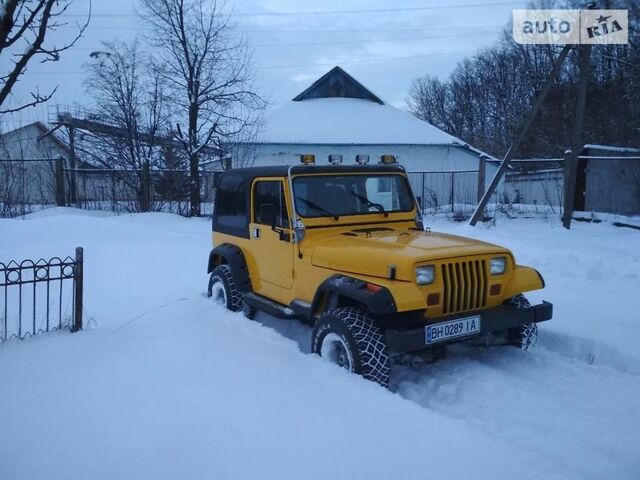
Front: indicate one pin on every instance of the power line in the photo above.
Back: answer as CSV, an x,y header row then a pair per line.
x,y
465,28
344,42
330,12
310,65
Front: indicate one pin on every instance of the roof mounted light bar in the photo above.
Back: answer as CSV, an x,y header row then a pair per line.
x,y
335,159
362,159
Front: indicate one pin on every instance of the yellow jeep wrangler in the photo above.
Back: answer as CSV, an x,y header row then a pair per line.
x,y
344,248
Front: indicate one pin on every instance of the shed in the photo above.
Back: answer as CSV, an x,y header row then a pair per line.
x,y
608,180
27,155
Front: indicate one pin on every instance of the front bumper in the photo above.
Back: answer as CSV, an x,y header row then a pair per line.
x,y
493,320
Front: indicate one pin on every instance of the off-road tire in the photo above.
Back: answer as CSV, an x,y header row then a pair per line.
x,y
524,337
222,274
363,338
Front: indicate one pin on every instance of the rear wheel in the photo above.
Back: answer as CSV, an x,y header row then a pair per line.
x,y
525,336
223,289
350,338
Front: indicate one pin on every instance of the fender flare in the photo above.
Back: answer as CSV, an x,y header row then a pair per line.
x,y
341,287
232,256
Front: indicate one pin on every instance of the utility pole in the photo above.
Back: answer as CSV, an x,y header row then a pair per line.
x,y
479,213
571,157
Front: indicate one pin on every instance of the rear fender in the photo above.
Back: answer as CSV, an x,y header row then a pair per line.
x,y
232,256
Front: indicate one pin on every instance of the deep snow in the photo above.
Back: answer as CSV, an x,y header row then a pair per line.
x,y
165,384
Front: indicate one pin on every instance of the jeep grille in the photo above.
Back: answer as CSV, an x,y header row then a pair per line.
x,y
465,285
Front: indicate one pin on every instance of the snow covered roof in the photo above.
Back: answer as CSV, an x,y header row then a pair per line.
x,y
349,121
610,148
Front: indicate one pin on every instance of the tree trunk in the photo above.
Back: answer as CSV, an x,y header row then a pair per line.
x,y
145,201
194,186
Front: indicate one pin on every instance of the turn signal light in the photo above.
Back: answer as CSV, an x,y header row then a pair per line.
x,y
373,288
495,290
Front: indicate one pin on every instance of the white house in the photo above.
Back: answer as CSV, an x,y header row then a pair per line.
x,y
338,115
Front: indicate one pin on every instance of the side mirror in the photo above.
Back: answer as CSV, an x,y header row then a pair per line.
x,y
268,214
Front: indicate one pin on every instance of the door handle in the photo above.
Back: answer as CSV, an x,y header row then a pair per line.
x,y
282,235
256,232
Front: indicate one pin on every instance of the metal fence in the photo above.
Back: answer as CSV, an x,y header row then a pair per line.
x,y
447,192
41,296
123,190
28,185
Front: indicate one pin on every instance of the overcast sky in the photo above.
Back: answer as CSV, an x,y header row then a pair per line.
x,y
384,44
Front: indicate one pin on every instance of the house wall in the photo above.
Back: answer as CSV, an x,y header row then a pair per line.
x,y
28,142
28,182
430,167
414,158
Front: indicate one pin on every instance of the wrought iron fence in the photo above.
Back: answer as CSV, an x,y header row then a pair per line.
x,y
41,296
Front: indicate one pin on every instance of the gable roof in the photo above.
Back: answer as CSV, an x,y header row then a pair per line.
x,y
337,109
348,121
337,83
42,133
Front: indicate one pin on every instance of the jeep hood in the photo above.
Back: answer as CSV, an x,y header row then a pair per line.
x,y
372,253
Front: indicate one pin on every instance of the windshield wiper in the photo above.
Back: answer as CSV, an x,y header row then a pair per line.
x,y
317,207
377,206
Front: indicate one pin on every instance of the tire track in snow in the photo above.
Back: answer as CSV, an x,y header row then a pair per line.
x,y
550,401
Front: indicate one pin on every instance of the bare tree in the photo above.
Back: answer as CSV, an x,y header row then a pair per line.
x,y
129,96
486,97
209,70
24,29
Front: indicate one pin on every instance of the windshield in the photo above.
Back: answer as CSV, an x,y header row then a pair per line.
x,y
339,195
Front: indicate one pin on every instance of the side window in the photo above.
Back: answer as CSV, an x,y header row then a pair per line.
x,y
231,205
269,204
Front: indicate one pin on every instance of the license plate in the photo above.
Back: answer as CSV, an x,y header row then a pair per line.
x,y
460,327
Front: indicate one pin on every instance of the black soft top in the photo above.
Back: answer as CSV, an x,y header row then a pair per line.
x,y
282,170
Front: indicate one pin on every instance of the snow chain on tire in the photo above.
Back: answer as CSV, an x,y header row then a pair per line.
x,y
222,273
525,336
364,339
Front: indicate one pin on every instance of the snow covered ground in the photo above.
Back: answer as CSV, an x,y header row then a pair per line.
x,y
165,384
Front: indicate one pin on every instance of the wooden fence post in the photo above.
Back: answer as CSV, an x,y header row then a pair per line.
x,y
77,285
59,166
482,175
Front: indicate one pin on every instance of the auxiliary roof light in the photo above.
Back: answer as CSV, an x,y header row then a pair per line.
x,y
362,159
335,159
388,159
308,159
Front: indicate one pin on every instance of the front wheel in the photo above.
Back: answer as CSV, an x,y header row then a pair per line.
x,y
350,338
525,336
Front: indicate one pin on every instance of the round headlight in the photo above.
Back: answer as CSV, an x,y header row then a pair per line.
x,y
497,265
425,275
